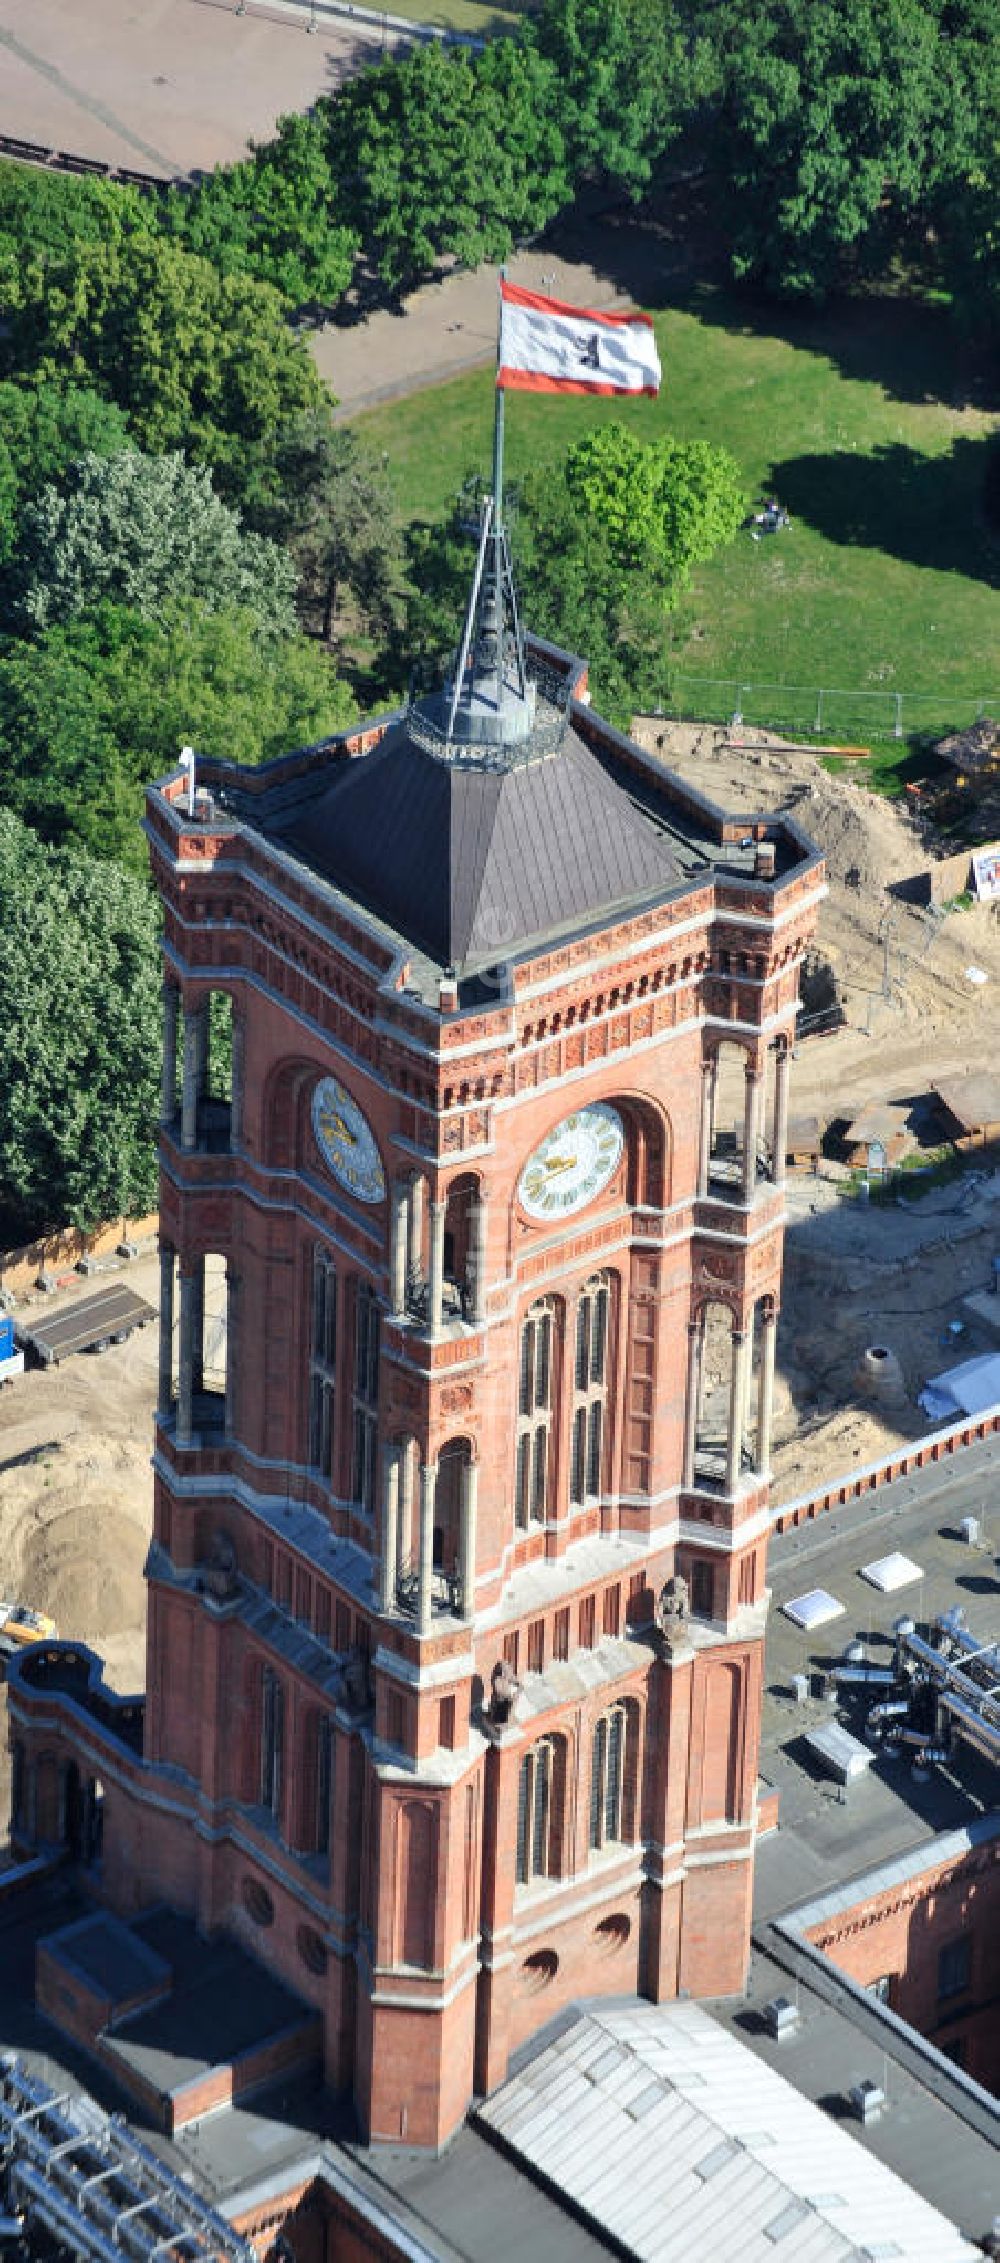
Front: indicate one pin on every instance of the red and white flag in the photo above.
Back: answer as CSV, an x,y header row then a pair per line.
x,y
547,347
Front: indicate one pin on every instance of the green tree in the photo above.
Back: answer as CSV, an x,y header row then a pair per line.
x,y
200,361
663,505
440,157
821,138
80,1012
41,429
629,72
144,532
95,708
273,216
332,504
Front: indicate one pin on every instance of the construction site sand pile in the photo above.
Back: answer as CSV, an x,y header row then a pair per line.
x,y
870,845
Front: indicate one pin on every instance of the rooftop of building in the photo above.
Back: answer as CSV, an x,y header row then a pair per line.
x,y
464,850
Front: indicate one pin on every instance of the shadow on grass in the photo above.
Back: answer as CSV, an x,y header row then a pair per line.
x,y
910,347
927,510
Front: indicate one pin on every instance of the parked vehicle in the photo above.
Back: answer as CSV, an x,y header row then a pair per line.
x,y
18,1624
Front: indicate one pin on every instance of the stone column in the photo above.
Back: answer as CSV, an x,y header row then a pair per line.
x,y
232,1347
185,1384
709,1082
477,1258
238,1085
435,1292
765,1391
695,1340
750,1118
398,1238
779,1143
193,1071
407,1459
168,1076
428,1489
737,1403
390,1527
470,1503
198,1326
165,1393
416,1207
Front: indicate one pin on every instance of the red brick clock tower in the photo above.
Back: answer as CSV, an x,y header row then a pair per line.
x,y
470,1267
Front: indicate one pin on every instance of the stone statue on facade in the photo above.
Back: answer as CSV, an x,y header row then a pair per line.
x,y
672,1611
504,1689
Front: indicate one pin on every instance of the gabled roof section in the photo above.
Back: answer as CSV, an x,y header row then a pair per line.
x,y
471,860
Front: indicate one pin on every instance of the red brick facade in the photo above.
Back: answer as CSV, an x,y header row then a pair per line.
x,y
338,1565
930,1943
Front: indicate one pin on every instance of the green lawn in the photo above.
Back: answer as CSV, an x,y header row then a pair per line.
x,y
474,16
886,582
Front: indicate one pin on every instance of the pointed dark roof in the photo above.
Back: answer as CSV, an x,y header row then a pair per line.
x,y
471,860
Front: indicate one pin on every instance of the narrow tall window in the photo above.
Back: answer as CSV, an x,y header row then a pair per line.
x,y
365,1403
534,1416
324,1782
323,1363
590,1391
608,1820
534,1813
272,1739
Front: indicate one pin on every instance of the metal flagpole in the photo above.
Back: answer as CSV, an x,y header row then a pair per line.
x,y
498,420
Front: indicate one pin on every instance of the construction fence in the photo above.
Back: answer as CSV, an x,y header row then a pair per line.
x,y
810,711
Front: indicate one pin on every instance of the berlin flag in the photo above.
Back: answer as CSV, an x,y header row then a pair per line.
x,y
547,347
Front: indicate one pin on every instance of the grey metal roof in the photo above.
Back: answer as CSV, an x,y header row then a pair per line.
x,y
654,2122
471,860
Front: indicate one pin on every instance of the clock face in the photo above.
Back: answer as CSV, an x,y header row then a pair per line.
x,y
346,1141
573,1163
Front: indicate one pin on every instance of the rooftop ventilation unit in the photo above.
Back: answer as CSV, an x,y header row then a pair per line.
x,y
866,2100
780,2017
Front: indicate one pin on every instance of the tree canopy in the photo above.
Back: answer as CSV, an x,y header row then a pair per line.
x,y
330,503
273,216
440,156
95,708
200,361
663,505
80,1013
146,532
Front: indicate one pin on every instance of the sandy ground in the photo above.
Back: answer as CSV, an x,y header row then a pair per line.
x,y
76,1487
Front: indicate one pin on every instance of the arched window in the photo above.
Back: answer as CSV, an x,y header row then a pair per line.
x,y
534,1415
535,1813
272,1742
323,1363
610,1821
590,1390
365,1402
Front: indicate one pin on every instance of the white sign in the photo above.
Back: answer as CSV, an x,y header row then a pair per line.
x,y
986,873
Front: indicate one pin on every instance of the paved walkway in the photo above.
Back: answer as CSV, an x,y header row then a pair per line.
x,y
447,327
165,86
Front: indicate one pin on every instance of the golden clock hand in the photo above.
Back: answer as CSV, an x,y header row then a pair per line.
x,y
560,1163
343,1130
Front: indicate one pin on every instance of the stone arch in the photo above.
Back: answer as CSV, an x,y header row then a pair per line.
x,y
722,1168
284,1120
716,1394
648,1149
455,1458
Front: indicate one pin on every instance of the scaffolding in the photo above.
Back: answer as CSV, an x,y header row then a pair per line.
x,y
81,2179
